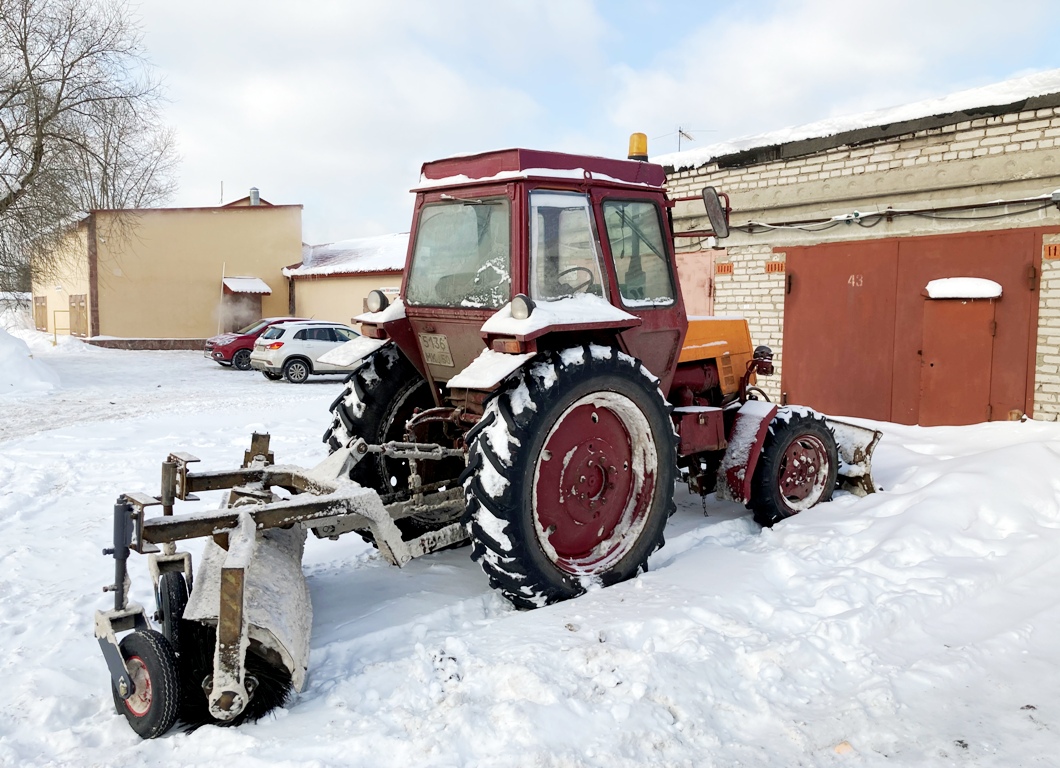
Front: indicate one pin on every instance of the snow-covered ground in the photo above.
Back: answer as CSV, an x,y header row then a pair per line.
x,y
917,627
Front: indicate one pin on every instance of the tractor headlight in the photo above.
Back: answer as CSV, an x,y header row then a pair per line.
x,y
376,301
522,306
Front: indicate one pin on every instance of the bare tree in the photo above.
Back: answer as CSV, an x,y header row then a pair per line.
x,y
79,124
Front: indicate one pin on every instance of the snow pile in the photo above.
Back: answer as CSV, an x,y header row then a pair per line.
x,y
15,310
19,370
916,626
384,253
998,94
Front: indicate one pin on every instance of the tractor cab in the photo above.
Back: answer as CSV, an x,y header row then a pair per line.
x,y
574,230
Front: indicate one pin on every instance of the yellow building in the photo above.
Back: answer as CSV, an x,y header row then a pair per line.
x,y
170,277
333,280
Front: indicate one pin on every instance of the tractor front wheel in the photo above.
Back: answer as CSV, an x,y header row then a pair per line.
x,y
572,475
797,468
380,396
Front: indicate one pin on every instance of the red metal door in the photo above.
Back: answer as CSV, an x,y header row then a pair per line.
x,y
839,317
1010,258
956,359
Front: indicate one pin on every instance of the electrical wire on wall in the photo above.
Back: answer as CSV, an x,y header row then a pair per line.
x,y
949,213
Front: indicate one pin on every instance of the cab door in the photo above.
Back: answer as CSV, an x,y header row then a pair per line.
x,y
635,236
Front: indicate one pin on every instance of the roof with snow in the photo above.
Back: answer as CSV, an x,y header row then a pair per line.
x,y
246,285
363,255
1036,91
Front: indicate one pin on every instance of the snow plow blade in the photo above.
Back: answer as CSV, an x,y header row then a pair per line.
x,y
856,445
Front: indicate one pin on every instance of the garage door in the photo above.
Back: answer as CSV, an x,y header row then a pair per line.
x,y
854,327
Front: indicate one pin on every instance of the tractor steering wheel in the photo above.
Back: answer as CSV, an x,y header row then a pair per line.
x,y
580,286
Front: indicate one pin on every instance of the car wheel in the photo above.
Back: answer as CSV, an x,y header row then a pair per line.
x,y
241,360
272,376
296,371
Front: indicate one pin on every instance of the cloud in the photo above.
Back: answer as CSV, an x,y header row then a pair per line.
x,y
771,65
336,104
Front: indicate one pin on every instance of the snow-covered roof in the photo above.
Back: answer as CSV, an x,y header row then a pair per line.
x,y
246,285
383,253
996,95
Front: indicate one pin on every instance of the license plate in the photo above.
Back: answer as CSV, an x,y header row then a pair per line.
x,y
436,349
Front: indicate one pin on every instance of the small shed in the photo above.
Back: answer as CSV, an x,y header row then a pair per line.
x,y
334,279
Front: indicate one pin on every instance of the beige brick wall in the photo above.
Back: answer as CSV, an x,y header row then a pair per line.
x,y
751,293
1047,362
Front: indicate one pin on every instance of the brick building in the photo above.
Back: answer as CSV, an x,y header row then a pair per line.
x,y
839,227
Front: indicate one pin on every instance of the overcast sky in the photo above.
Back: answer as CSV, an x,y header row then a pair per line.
x,y
335,104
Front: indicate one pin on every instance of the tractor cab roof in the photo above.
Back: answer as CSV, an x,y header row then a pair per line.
x,y
504,164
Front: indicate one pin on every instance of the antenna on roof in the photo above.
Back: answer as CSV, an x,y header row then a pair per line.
x,y
222,191
684,133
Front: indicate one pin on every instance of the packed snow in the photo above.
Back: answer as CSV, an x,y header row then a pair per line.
x,y
963,288
916,626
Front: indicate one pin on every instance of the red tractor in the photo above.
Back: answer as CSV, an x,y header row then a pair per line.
x,y
537,388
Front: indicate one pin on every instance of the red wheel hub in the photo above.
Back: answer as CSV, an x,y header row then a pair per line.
x,y
588,496
140,701
804,467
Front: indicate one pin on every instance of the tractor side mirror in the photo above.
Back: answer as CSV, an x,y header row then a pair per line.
x,y
717,212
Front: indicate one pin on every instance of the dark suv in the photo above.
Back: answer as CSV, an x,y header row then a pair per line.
x,y
233,349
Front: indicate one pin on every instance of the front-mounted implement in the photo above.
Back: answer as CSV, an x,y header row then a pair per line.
x,y
241,641
537,389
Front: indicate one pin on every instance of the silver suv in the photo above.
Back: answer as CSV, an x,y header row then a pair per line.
x,y
292,350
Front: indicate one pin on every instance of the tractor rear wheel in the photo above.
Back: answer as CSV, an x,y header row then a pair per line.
x,y
571,475
380,396
797,468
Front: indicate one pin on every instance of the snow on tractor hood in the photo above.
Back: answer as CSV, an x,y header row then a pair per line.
x,y
574,310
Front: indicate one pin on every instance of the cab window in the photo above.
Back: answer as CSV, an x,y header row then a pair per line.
x,y
564,255
462,255
634,230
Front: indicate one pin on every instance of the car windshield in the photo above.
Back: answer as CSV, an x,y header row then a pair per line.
x,y
256,325
462,255
274,332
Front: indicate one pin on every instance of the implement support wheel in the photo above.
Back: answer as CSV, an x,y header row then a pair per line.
x,y
152,708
